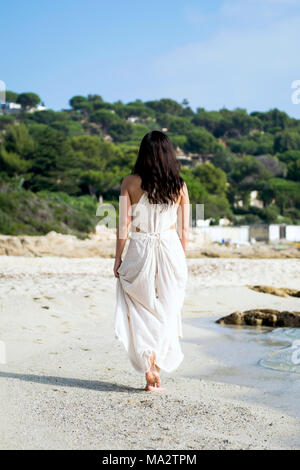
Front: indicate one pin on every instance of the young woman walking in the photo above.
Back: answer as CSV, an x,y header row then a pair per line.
x,y
152,277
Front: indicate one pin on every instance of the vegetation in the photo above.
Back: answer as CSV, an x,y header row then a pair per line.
x,y
55,165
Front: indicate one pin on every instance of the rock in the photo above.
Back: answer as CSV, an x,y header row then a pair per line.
x,y
280,291
262,317
57,244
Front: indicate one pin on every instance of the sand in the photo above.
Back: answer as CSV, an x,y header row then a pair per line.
x,y
68,384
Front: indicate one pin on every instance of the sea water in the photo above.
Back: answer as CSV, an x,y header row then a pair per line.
x,y
264,359
287,358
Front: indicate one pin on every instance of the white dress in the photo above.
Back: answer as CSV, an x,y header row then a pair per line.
x,y
151,287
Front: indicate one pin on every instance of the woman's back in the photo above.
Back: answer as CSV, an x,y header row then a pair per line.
x,y
147,216
153,217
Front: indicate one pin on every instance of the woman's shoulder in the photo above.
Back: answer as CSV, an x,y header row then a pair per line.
x,y
184,189
130,181
183,194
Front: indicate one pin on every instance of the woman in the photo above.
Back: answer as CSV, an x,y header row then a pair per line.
x,y
152,277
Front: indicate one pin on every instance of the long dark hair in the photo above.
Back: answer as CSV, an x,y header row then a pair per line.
x,y
158,167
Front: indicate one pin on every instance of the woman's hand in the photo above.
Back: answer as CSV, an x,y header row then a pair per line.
x,y
117,264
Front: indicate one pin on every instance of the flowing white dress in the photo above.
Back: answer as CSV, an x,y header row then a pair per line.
x,y
151,287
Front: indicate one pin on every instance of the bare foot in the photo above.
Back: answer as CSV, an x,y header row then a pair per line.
x,y
150,379
153,378
150,388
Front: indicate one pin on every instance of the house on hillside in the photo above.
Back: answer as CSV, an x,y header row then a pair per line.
x,y
184,159
192,159
39,107
132,119
255,201
10,108
16,108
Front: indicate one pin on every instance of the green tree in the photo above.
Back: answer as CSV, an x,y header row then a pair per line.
x,y
165,105
208,119
78,102
69,128
121,131
273,120
223,159
213,179
11,96
178,140
48,116
294,170
200,141
104,117
12,164
286,193
287,140
216,206
91,153
28,100
289,156
18,140
53,159
197,192
247,171
179,125
97,182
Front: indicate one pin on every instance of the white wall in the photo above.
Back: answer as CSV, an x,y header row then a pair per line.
x,y
293,233
216,233
273,233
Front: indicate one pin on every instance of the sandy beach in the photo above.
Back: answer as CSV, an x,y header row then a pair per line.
x,y
68,384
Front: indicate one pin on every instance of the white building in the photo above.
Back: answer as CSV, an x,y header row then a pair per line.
x,y
245,233
290,233
10,108
254,200
218,233
37,108
132,119
15,108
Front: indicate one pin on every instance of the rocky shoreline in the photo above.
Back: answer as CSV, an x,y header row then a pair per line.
x,y
263,317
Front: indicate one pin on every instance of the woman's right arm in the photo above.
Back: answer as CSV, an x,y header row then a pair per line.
x,y
184,218
124,223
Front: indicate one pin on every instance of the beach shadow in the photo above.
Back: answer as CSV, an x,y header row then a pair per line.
x,y
98,385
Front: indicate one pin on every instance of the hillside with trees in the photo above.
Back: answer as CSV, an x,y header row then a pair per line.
x,y
54,165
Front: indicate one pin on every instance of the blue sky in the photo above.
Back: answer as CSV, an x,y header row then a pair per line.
x,y
232,53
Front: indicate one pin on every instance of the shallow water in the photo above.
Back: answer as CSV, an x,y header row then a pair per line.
x,y
263,358
286,359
